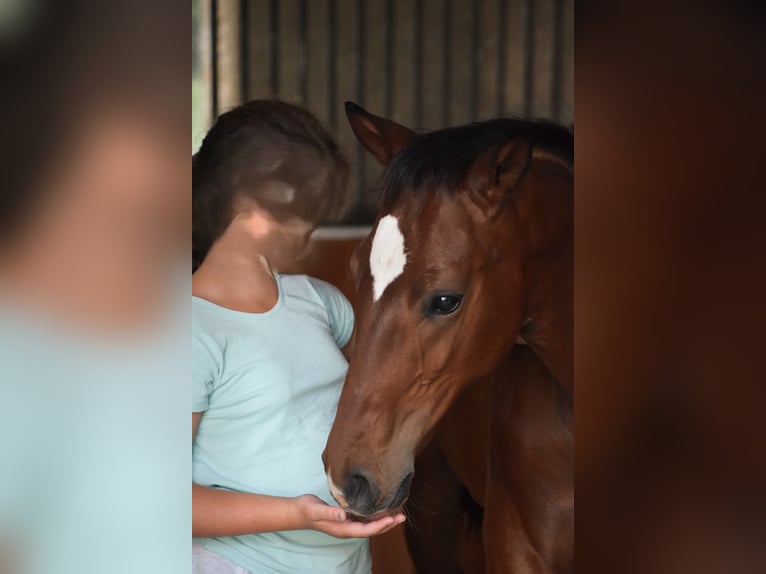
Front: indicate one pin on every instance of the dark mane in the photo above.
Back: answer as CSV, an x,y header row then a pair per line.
x,y
440,160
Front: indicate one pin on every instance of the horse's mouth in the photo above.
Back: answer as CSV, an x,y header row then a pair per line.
x,y
374,516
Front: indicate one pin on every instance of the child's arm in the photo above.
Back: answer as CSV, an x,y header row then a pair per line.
x,y
224,513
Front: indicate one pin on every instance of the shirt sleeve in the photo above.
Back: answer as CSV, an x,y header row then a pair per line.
x,y
204,372
339,311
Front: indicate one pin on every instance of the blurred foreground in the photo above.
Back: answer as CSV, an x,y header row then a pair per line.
x,y
94,241
670,284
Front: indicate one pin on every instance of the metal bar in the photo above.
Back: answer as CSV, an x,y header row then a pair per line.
x,y
417,82
529,49
303,55
446,54
558,15
501,39
360,52
244,27
274,47
388,65
214,58
332,48
473,80
359,89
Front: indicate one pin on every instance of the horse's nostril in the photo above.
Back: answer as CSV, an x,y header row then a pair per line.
x,y
360,493
404,490
357,486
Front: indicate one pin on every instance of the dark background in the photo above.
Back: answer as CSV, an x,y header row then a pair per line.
x,y
424,63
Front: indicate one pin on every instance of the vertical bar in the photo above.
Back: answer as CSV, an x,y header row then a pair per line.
x,y
432,97
259,49
274,48
227,55
303,54
359,89
317,80
418,68
214,59
332,24
402,51
244,25
205,55
558,14
388,72
566,103
446,48
360,52
501,47
474,70
529,45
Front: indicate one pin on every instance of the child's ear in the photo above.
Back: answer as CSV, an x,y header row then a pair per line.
x,y
382,137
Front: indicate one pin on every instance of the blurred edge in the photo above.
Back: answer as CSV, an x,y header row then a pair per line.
x,y
670,275
94,237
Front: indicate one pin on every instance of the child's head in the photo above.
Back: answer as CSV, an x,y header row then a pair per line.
x,y
271,156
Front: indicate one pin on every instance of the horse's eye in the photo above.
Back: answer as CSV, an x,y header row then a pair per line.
x,y
443,304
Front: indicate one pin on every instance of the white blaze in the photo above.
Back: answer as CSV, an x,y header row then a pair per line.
x,y
387,255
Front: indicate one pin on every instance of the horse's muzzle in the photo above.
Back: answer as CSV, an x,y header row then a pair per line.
x,y
360,497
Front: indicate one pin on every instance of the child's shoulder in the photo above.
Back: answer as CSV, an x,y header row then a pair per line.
x,y
317,291
305,284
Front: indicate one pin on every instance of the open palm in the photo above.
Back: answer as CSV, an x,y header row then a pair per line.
x,y
333,520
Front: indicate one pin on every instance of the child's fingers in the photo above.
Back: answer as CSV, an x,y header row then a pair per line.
x,y
322,511
398,519
381,526
336,513
365,530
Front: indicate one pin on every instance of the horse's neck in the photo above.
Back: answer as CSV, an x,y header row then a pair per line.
x,y
550,327
544,214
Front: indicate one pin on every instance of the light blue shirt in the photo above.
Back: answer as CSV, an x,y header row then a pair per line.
x,y
94,444
268,385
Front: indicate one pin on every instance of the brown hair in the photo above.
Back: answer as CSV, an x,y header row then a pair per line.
x,y
276,154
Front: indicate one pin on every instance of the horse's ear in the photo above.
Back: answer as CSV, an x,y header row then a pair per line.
x,y
382,137
497,173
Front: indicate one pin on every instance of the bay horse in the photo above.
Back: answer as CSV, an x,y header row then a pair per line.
x,y
461,377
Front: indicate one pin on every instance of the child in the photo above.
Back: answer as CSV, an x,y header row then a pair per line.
x,y
267,361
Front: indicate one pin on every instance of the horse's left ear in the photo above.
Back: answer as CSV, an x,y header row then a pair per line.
x,y
498,172
382,137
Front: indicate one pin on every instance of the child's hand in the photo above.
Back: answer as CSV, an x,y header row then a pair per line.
x,y
332,520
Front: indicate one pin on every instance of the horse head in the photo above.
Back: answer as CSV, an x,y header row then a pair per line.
x,y
456,268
